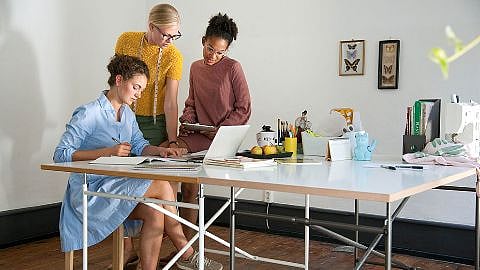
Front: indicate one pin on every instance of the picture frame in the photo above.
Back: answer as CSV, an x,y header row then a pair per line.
x,y
351,57
388,64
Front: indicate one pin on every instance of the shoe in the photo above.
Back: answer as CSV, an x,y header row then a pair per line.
x,y
192,263
165,260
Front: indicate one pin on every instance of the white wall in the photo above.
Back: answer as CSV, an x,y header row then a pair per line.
x,y
289,52
53,56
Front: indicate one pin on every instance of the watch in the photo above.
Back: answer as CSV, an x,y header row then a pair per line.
x,y
174,142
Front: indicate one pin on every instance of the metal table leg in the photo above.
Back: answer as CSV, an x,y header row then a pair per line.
x,y
85,225
307,231
477,223
388,237
232,228
201,227
355,250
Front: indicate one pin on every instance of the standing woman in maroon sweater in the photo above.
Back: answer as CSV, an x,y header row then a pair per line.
x,y
218,95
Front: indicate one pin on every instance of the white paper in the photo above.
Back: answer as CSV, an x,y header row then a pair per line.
x,y
116,160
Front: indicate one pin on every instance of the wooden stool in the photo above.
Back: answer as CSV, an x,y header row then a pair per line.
x,y
117,258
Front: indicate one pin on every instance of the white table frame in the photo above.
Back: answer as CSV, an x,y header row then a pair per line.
x,y
276,181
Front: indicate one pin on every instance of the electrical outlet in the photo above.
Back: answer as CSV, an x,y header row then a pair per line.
x,y
268,196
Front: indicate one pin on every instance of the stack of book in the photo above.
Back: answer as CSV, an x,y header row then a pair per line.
x,y
240,162
169,167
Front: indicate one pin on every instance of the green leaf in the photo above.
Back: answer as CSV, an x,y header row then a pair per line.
x,y
457,43
438,55
444,69
449,33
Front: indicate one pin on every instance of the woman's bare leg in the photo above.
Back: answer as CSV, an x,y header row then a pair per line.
x,y
151,234
162,190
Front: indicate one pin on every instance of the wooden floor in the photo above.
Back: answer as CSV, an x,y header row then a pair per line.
x,y
45,254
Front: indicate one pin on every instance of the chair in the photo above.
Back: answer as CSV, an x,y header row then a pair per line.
x,y
117,257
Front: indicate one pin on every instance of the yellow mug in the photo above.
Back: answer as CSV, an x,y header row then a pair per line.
x,y
290,145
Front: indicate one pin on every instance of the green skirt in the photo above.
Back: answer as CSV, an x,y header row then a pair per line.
x,y
155,134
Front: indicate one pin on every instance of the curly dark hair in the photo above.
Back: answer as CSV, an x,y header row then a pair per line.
x,y
127,66
223,27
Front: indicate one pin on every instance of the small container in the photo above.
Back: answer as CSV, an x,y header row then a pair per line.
x,y
266,136
290,145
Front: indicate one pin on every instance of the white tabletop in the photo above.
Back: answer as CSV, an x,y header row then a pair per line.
x,y
345,179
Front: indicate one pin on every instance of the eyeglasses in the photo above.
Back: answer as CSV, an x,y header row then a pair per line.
x,y
168,36
211,50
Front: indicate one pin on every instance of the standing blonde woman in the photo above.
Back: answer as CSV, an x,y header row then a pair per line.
x,y
157,110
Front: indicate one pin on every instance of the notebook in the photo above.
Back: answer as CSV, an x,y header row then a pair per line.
x,y
299,161
169,167
240,162
115,160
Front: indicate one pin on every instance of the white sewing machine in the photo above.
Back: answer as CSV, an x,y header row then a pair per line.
x,y
462,125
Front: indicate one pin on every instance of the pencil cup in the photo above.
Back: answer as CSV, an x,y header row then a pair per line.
x,y
290,145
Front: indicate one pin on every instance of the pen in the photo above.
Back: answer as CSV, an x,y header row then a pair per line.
x,y
118,142
388,167
417,167
115,140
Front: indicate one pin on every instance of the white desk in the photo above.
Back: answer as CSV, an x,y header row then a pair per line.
x,y
344,179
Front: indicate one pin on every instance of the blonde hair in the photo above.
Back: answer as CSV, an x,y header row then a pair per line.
x,y
163,15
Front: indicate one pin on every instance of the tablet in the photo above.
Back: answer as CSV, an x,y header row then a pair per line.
x,y
198,127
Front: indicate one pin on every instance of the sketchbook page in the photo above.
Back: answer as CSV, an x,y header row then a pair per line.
x,y
116,160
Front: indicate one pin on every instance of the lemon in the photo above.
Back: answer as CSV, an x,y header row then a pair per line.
x,y
270,150
256,150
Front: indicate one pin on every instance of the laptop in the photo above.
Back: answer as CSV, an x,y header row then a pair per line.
x,y
225,144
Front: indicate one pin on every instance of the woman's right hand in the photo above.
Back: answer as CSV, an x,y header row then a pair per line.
x,y
121,150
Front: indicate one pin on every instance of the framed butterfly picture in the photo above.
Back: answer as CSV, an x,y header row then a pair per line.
x,y
388,55
352,57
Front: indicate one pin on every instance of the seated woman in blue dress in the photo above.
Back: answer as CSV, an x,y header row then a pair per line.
x,y
89,135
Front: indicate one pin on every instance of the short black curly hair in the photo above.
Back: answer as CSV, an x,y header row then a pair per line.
x,y
127,66
223,27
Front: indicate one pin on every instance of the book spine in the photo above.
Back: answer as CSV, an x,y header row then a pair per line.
x,y
417,114
428,119
423,118
408,125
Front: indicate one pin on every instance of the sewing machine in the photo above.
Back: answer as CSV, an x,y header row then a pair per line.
x,y
462,125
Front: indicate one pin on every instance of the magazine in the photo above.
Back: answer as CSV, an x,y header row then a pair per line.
x,y
240,162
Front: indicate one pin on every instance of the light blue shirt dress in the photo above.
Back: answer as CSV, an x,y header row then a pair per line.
x,y
92,127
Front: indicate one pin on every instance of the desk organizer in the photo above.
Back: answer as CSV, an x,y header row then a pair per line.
x,y
413,143
427,122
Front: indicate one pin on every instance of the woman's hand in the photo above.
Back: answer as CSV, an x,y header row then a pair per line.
x,y
176,152
121,150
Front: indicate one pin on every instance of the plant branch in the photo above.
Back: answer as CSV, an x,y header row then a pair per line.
x,y
465,49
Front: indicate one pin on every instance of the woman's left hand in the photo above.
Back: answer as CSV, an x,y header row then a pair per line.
x,y
176,152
